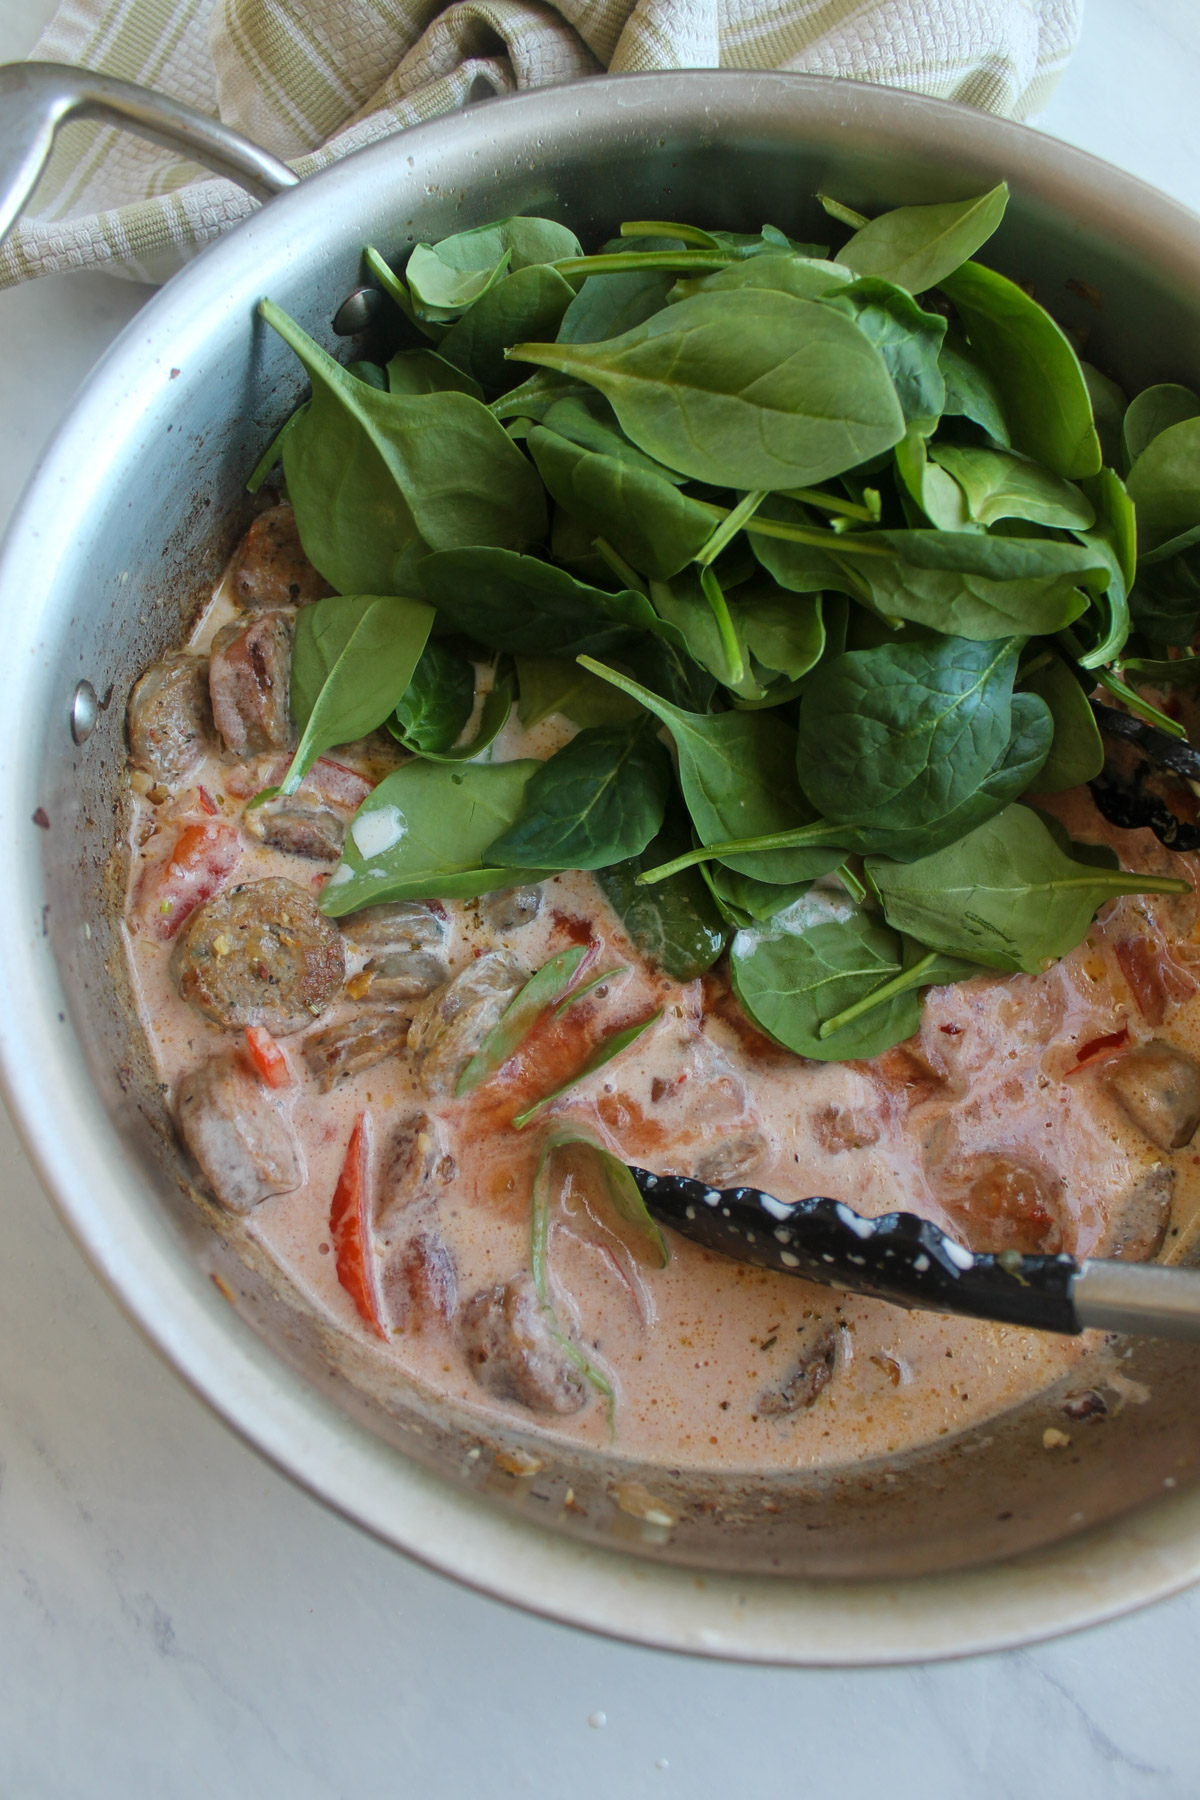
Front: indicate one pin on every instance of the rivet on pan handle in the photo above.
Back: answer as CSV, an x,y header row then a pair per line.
x,y
36,98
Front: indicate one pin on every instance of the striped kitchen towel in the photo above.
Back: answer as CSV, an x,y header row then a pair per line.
x,y
314,79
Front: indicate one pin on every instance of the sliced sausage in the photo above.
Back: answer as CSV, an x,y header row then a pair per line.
x,y
297,827
1158,1086
249,678
270,567
1138,1223
238,1132
731,1158
420,1279
370,1037
838,1128
169,717
451,1023
399,976
407,925
173,886
507,909
420,1166
808,1380
259,954
513,1353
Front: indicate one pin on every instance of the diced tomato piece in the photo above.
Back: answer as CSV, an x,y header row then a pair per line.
x,y
202,858
350,1230
267,1057
334,782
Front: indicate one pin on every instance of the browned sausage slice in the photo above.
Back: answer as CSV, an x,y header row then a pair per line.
x,y
270,567
297,827
514,1354
359,1043
238,1133
1158,1086
451,1023
420,1166
249,677
406,925
259,954
169,717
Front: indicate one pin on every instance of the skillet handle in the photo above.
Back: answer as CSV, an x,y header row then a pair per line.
x,y
37,97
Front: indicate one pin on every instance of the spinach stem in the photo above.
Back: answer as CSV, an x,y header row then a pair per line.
x,y
849,880
847,509
687,234
731,649
878,996
730,525
619,566
839,543
619,262
845,215
1136,704
817,834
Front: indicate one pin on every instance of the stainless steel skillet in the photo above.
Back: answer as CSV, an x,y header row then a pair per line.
x,y
120,532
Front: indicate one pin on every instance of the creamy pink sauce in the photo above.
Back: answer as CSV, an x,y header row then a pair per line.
x,y
691,1349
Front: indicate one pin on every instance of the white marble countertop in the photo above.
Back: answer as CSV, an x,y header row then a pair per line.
x,y
177,1620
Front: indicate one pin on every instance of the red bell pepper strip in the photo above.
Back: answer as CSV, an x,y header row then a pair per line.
x,y
350,1230
268,1059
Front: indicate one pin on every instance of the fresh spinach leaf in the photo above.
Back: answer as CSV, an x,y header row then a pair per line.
x,y
1005,896
551,684
1029,357
805,278
907,338
586,418
742,901
931,487
519,1018
1152,412
372,373
900,735
1016,770
651,523
674,925
493,717
422,833
811,962
972,585
438,701
352,657
529,607
527,304
1076,753
751,389
377,480
606,1051
446,278
440,292
608,305
1164,485
970,391
738,775
425,372
597,801
999,484
1108,410
804,568
916,247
